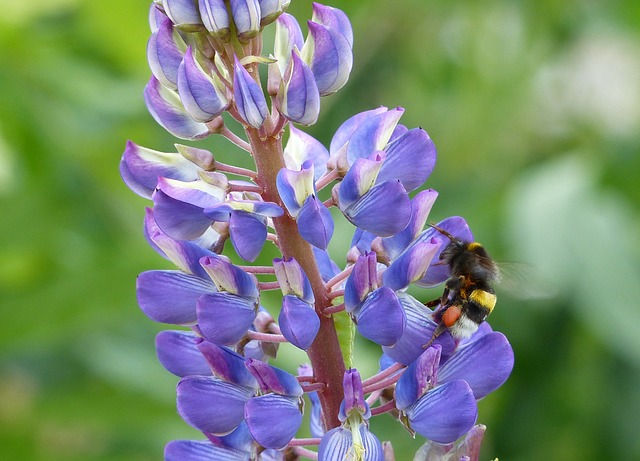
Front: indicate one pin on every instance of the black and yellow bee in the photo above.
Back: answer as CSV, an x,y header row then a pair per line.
x,y
468,296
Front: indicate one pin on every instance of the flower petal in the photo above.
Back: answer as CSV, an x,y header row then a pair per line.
x,y
485,364
381,318
298,98
418,378
410,158
178,353
302,147
201,450
372,134
273,379
389,198
211,405
224,318
298,321
417,332
180,220
315,223
165,107
248,96
164,54
338,442
140,168
248,233
273,419
410,265
215,17
226,364
171,296
445,413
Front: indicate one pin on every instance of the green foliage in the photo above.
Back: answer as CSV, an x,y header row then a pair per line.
x,y
534,109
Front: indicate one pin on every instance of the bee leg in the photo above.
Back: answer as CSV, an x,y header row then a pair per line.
x,y
437,332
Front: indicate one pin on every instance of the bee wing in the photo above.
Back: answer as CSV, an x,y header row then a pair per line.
x,y
523,281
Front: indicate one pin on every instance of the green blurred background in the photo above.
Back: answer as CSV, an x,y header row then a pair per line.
x,y
535,109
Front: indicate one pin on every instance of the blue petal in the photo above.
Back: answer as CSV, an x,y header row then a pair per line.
x,y
180,220
420,207
196,450
273,419
343,134
248,234
246,17
445,413
410,158
288,36
328,269
171,296
418,378
226,364
274,379
372,134
484,364
411,265
298,321
360,178
337,443
315,223
211,405
362,280
293,280
417,332
224,318
178,353
388,200
381,318
140,168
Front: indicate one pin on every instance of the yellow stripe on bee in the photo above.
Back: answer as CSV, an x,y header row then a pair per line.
x,y
473,245
483,298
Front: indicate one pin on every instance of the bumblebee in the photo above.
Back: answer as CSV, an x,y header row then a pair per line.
x,y
468,296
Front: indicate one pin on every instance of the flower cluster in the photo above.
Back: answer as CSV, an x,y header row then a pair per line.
x,y
206,57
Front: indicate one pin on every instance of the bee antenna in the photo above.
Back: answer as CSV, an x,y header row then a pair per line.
x,y
443,232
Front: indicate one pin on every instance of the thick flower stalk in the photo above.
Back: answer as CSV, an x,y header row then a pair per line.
x,y
206,216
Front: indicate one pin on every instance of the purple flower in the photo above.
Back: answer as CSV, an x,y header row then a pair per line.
x,y
352,440
207,58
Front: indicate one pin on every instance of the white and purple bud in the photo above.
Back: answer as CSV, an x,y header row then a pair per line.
x,y
294,186
230,278
330,57
246,17
248,97
215,17
202,158
333,18
288,37
184,14
156,16
302,147
298,98
165,107
202,93
165,50
140,168
247,223
293,280
270,10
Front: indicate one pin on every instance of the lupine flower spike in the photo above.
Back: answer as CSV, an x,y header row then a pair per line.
x,y
213,220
